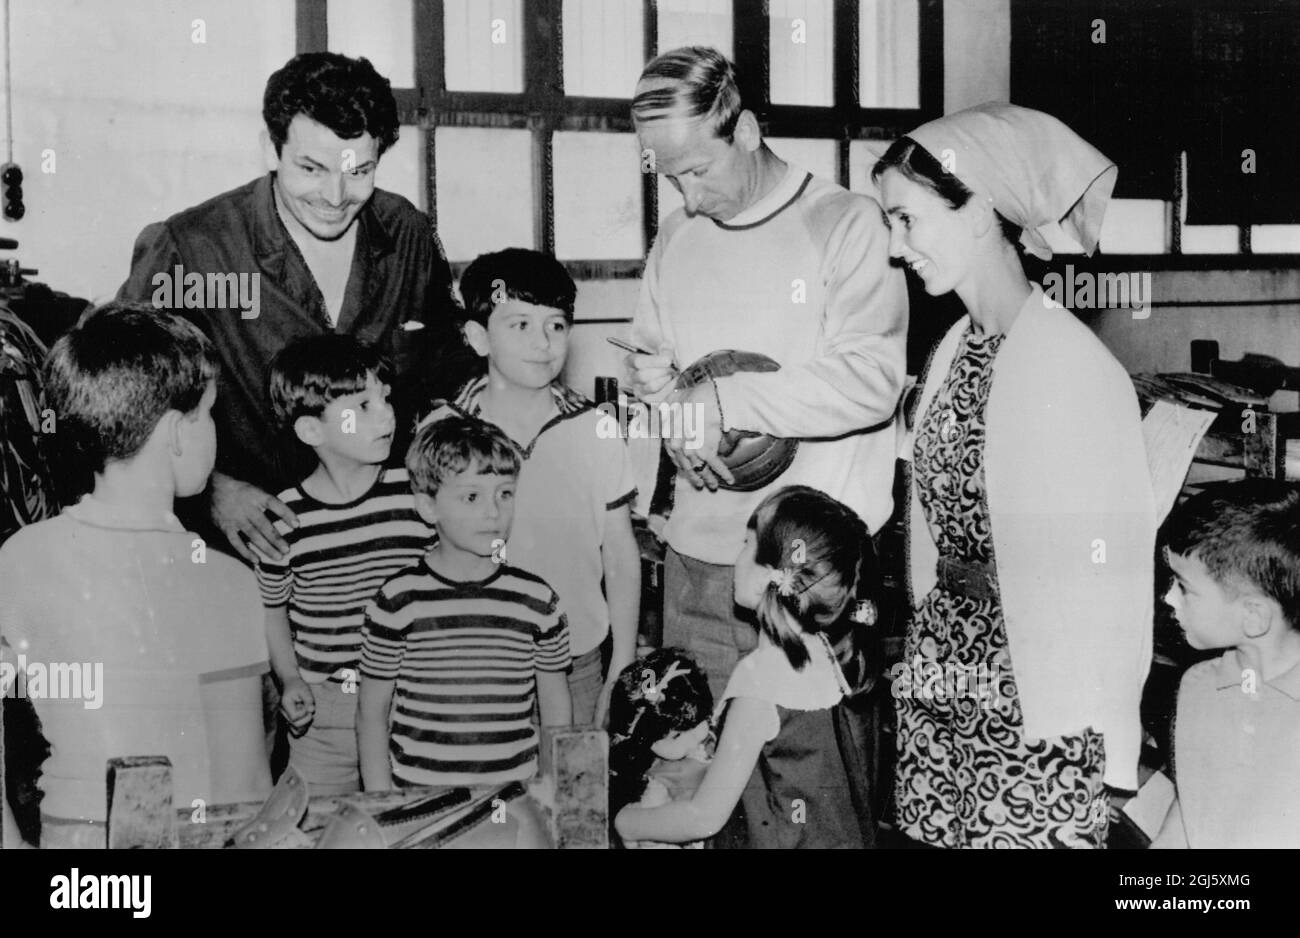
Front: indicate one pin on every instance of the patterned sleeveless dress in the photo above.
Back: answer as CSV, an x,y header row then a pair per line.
x,y
966,776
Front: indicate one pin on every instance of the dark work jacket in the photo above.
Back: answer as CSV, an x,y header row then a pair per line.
x,y
398,297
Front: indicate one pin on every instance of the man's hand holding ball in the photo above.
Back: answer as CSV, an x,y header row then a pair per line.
x,y
653,377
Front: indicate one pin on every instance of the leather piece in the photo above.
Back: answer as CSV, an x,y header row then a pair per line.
x,y
352,829
278,818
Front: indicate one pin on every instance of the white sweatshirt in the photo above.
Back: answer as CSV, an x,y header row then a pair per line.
x,y
802,276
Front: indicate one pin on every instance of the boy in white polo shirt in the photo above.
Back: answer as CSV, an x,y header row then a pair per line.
x,y
165,633
573,523
1234,551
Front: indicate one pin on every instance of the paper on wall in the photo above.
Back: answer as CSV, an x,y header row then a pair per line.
x,y
1172,433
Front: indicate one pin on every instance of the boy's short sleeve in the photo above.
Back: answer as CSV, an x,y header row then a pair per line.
x,y
383,636
275,577
234,645
551,645
620,481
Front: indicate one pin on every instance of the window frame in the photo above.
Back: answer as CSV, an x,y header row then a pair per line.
x,y
543,108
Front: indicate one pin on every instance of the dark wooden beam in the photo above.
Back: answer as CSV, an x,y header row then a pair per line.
x,y
312,26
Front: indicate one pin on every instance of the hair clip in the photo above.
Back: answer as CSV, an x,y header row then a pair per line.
x,y
783,580
864,613
653,692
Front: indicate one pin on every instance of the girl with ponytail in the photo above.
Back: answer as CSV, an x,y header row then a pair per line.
x,y
786,772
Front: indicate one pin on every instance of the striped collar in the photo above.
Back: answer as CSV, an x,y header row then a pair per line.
x,y
568,402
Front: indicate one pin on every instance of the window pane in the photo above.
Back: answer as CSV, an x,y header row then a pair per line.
x,y
695,23
380,30
597,196
485,190
801,52
1210,239
819,157
604,47
862,158
401,169
889,53
1275,239
1136,226
484,45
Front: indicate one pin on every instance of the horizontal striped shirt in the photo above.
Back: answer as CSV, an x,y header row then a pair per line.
x,y
572,477
464,658
338,557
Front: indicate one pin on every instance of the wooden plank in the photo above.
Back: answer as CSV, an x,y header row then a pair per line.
x,y
140,803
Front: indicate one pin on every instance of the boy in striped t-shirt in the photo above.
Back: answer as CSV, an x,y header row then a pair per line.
x,y
457,648
357,525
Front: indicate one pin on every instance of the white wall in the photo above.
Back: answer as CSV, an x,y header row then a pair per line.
x,y
1269,325
142,120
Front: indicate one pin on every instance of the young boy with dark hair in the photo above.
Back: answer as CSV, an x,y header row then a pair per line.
x,y
1235,555
573,522
357,525
159,639
465,641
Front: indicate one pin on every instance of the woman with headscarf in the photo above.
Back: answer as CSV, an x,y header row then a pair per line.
x,y
1031,524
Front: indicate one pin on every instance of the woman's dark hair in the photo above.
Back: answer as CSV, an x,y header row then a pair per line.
x,y
346,95
824,552
915,163
643,709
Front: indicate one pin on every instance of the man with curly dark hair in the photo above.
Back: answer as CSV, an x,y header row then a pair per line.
x,y
311,248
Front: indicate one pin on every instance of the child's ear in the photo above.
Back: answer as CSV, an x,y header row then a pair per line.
x,y
424,507
171,427
309,430
1258,614
476,336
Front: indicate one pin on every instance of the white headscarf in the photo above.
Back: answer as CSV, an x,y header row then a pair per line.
x,y
1035,169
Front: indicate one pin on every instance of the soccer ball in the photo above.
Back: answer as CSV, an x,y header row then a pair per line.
x,y
755,459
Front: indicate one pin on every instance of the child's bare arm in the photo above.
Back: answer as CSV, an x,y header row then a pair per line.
x,y
622,562
232,712
297,702
374,701
553,698
279,642
705,813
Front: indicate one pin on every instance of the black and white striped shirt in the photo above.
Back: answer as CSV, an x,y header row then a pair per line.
x,y
464,657
339,556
